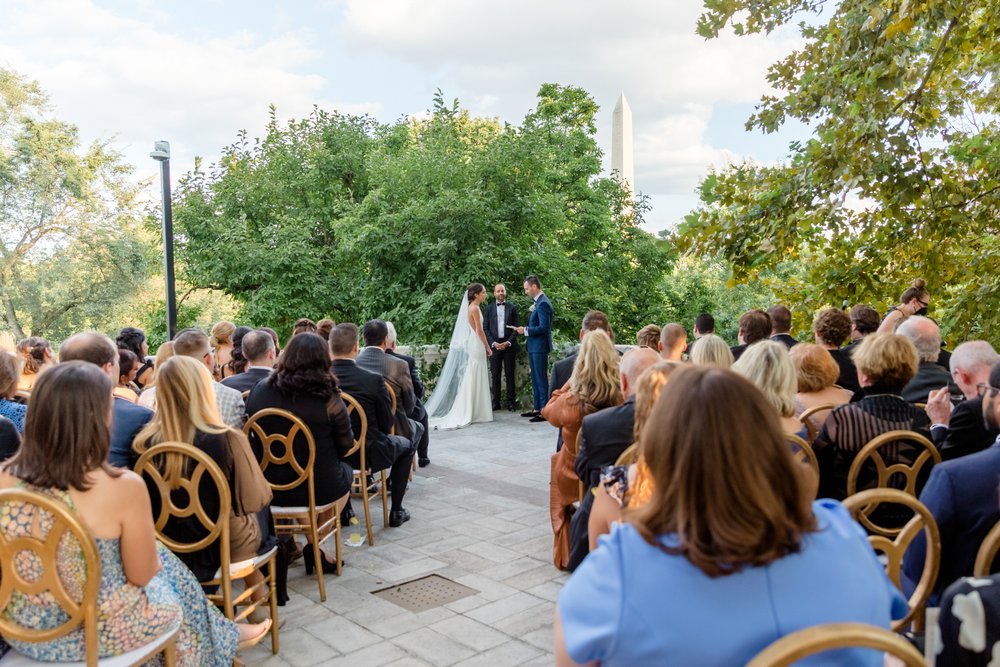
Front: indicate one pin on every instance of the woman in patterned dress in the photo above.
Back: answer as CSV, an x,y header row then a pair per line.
x,y
144,588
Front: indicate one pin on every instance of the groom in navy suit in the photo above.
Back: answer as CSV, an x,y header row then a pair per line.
x,y
538,345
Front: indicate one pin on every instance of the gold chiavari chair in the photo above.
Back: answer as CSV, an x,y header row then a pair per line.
x,y
805,453
987,552
811,430
820,638
363,473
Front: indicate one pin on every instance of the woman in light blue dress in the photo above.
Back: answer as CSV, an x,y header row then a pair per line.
x,y
729,554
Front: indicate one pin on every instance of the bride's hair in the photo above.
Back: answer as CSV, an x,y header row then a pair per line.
x,y
596,380
474,289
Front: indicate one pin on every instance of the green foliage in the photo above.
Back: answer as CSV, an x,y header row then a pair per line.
x,y
71,245
901,176
339,216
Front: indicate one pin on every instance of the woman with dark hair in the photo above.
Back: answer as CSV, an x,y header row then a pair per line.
x,y
38,357
324,327
134,340
728,554
128,367
304,384
10,369
144,588
237,361
914,301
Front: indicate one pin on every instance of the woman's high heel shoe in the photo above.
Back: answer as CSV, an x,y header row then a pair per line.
x,y
309,560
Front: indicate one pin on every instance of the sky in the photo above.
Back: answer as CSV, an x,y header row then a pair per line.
x,y
196,73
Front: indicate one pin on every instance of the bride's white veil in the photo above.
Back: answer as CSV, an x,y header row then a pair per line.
x,y
455,364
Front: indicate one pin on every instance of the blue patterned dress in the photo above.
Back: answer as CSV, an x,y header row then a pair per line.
x,y
128,616
14,411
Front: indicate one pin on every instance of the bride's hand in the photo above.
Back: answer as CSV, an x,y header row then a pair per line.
x,y
489,352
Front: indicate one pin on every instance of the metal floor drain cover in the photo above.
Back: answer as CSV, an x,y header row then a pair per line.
x,y
425,593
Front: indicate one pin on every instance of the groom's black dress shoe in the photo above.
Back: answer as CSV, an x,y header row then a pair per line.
x,y
531,413
496,408
398,517
537,418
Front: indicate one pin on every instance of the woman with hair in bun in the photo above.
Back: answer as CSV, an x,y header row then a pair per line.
x,y
914,301
38,358
221,340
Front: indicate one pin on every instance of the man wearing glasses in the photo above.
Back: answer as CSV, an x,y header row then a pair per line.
x,y
963,430
962,496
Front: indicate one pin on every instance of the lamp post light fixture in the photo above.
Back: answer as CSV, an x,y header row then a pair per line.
x,y
161,153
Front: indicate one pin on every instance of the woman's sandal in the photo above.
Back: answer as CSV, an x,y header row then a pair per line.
x,y
253,641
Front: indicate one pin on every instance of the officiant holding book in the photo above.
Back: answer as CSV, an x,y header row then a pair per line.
x,y
500,328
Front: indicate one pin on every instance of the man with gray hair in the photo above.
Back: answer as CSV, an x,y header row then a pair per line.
x,y
418,414
962,431
194,343
926,337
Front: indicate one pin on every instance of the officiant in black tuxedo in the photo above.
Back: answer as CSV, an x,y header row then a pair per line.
x,y
500,315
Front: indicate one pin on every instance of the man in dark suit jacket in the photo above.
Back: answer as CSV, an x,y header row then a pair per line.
x,y
419,414
538,345
382,450
781,325
500,315
258,348
127,418
755,325
963,430
962,496
926,337
395,371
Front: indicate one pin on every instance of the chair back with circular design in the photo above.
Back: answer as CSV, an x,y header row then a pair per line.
x,y
804,452
360,485
65,524
277,447
792,648
894,548
804,417
987,553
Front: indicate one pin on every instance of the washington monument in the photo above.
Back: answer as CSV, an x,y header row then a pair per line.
x,y
622,161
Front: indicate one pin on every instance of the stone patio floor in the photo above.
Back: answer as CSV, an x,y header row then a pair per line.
x,y
479,517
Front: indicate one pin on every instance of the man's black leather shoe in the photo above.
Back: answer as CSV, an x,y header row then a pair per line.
x,y
531,413
398,517
423,463
537,418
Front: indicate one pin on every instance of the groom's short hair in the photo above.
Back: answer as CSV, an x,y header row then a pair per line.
x,y
343,338
375,332
533,280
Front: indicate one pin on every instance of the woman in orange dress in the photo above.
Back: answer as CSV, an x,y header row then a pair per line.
x,y
594,385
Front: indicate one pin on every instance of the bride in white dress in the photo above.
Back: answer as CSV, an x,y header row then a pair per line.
x,y
462,394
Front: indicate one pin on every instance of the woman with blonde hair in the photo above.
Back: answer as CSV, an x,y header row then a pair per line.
x,y
816,375
595,384
767,364
221,340
728,554
711,350
186,412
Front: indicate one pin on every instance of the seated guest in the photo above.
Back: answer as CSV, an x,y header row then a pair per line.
x,y
969,623
831,328
885,362
594,385
755,325
382,449
816,373
303,325
723,558
781,325
10,371
711,351
962,496
864,321
704,325
147,398
303,385
186,412
128,366
418,414
628,485
926,337
134,340
222,347
963,430
673,342
195,344
10,439
767,365
648,336
258,348
38,358
144,589
127,418
237,359
914,301
274,336
324,327
604,435
561,370
374,358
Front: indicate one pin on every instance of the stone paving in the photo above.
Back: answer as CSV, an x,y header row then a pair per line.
x,y
479,517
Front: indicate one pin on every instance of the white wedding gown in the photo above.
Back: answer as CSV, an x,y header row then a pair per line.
x,y
462,395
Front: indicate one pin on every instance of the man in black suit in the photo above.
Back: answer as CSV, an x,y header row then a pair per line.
x,y
258,348
926,337
418,414
394,371
755,325
500,315
781,325
704,325
563,369
368,389
962,431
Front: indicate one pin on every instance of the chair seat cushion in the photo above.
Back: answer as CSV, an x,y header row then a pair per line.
x,y
15,659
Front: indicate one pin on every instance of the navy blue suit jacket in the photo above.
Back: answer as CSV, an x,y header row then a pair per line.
x,y
962,496
539,329
127,419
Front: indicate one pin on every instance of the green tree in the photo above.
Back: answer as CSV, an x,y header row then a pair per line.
x,y
901,175
71,242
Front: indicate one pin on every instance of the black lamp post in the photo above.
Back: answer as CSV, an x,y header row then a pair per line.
x,y
161,153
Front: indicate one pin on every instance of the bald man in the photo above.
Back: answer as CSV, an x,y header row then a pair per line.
x,y
926,337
